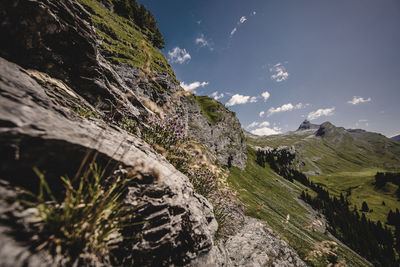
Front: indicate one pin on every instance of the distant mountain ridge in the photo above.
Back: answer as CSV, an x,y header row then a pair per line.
x,y
327,148
397,137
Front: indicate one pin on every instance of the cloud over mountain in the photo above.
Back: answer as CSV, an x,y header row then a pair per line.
x,y
320,112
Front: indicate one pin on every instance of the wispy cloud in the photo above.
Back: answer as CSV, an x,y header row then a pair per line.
x,y
202,41
265,95
242,20
261,114
240,99
266,131
217,96
193,86
357,100
178,55
233,31
285,107
279,73
320,112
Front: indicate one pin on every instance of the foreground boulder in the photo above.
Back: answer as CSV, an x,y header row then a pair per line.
x,y
34,132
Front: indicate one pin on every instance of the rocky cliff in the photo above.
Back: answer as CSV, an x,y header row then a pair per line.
x,y
77,79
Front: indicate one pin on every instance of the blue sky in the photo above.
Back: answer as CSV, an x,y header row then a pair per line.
x,y
336,61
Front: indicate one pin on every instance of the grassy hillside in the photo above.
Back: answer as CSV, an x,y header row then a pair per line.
x,y
272,198
123,41
346,162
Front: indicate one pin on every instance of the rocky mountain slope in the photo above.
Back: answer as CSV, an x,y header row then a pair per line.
x,y
80,83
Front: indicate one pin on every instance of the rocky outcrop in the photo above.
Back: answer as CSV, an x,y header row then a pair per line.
x,y
57,38
307,125
224,136
258,245
254,245
34,132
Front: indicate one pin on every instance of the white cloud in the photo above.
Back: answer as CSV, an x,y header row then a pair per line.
x,y
202,41
299,106
279,73
193,86
264,124
266,131
237,99
198,22
253,124
233,31
320,112
357,100
254,13
265,95
253,99
242,19
261,113
178,55
217,96
285,107
259,124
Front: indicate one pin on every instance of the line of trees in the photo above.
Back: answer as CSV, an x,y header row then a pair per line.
x,y
369,239
142,17
280,161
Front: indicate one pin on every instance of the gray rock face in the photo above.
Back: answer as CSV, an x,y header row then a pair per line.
x,y
255,245
225,139
307,125
258,245
180,224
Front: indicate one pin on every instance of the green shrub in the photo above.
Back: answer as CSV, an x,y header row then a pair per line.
x,y
85,223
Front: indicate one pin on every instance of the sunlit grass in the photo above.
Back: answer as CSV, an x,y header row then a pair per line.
x,y
271,198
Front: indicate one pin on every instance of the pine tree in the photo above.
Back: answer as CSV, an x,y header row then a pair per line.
x,y
364,207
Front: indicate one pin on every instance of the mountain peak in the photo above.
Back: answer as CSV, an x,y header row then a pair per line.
x,y
307,125
325,129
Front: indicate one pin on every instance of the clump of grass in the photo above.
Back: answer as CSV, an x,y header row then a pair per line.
x,y
86,113
211,109
87,221
128,125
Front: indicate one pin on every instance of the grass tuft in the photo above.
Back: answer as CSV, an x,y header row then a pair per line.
x,y
86,222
